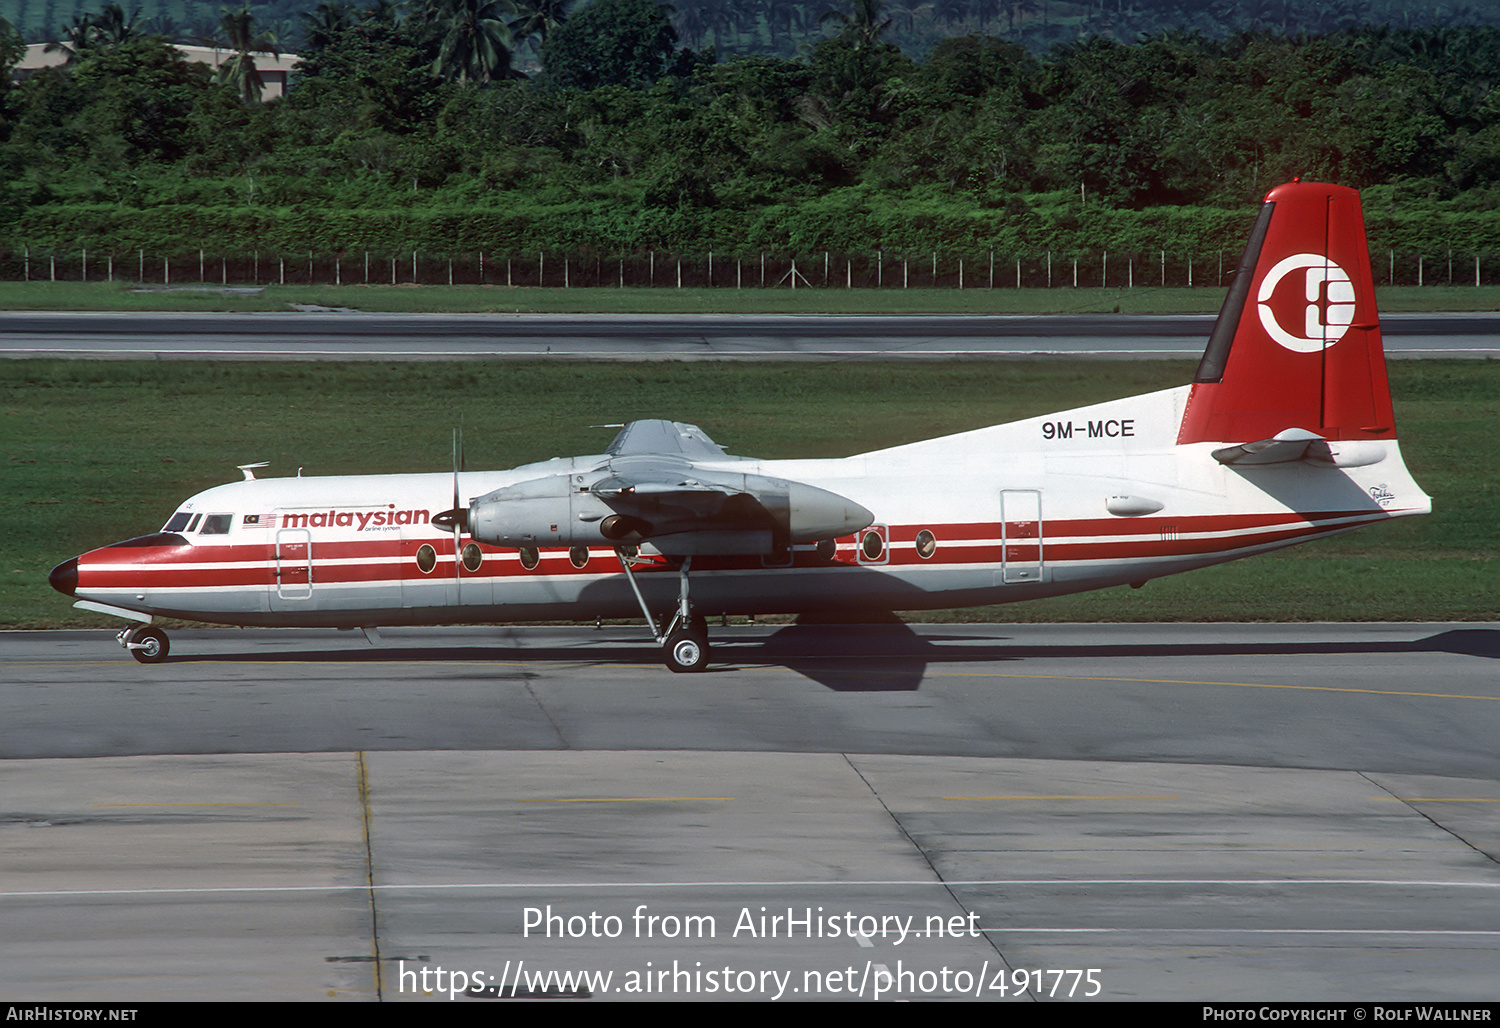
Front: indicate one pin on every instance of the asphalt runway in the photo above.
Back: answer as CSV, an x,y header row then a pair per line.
x,y
348,335
1169,812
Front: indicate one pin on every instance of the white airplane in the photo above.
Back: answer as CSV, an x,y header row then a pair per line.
x,y
1284,435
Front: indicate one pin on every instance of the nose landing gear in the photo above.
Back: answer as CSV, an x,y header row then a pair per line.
x,y
146,644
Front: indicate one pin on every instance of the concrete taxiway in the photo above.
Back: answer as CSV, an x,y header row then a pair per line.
x,y
1232,812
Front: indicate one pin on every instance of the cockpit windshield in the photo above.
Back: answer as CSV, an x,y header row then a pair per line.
x,y
177,522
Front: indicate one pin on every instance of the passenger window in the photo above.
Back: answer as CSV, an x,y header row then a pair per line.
x,y
178,523
217,524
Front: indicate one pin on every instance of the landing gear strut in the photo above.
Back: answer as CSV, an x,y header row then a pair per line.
x,y
146,644
684,643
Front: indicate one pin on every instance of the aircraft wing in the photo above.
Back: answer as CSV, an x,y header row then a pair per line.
x,y
649,486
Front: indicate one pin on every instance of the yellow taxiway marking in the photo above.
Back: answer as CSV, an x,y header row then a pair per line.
x,y
635,799
1239,685
929,673
1061,797
1435,799
246,803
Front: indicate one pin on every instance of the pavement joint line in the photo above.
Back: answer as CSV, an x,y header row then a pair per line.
x,y
863,884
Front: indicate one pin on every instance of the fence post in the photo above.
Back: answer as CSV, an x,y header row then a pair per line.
x,y
52,263
992,269
201,278
1104,271
142,255
679,271
112,267
1419,270
710,269
166,271
28,264
1075,272
1130,276
879,268
960,274
1164,269
1476,271
1190,271
85,264
1049,269
1018,273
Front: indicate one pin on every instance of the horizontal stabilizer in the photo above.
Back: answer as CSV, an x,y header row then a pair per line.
x,y
1285,447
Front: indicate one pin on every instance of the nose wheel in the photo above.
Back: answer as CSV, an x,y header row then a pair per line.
x,y
147,645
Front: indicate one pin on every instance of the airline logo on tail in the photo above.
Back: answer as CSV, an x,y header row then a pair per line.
x,y
1326,317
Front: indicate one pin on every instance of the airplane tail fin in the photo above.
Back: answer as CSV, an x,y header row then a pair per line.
x,y
1297,343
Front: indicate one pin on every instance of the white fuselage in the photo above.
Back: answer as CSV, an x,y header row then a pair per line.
x,y
1078,500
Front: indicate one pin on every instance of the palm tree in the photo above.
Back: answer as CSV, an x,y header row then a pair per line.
x,y
864,27
474,39
241,39
537,18
325,23
111,25
77,36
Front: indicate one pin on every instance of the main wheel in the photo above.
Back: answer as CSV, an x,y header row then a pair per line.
x,y
148,645
686,651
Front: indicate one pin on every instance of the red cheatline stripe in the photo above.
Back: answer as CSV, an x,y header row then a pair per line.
x,y
555,561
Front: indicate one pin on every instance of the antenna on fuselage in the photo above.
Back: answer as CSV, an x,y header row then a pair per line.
x,y
248,469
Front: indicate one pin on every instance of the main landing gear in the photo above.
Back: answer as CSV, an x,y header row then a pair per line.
x,y
684,643
146,644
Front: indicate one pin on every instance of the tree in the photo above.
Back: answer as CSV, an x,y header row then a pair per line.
x,y
475,40
537,18
862,27
240,37
610,42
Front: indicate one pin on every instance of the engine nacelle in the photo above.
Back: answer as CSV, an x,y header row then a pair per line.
x,y
724,514
542,512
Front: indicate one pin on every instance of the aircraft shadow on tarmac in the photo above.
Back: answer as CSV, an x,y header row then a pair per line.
x,y
888,657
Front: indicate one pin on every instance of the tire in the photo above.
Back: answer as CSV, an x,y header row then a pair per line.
x,y
686,652
149,645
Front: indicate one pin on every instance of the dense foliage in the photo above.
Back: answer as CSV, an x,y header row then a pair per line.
x,y
417,132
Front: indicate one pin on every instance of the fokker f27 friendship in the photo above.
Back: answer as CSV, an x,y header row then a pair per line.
x,y
1284,435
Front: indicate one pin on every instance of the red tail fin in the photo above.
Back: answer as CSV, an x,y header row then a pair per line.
x,y
1297,344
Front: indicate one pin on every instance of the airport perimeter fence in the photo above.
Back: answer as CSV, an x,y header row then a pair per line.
x,y
826,270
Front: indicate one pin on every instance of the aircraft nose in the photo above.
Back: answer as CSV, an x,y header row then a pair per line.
x,y
64,577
